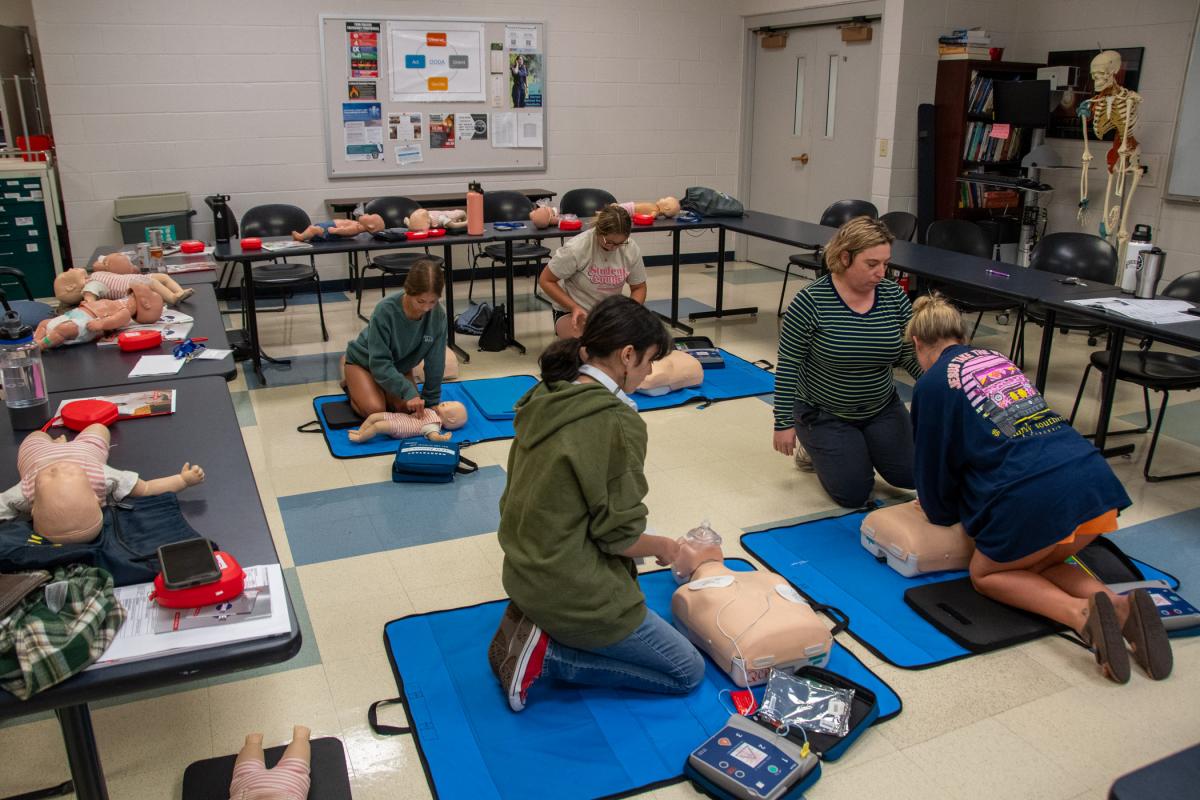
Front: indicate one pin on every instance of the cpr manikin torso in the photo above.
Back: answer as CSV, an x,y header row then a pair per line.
x,y
678,370
911,544
755,615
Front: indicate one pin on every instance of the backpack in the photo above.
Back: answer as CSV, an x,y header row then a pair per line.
x,y
474,320
495,334
711,203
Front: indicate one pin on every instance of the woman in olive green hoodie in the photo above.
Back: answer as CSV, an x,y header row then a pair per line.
x,y
572,521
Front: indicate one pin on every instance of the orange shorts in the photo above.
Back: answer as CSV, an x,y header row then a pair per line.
x,y
1097,526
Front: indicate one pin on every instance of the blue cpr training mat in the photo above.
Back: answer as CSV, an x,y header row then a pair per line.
x,y
738,378
824,560
569,742
479,428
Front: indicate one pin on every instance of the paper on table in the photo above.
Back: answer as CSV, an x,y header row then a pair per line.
x,y
156,365
209,354
1153,312
137,640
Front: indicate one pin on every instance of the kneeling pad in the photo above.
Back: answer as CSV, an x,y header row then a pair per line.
x,y
911,544
975,622
773,626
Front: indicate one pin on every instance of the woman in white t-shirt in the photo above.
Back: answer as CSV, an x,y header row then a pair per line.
x,y
591,266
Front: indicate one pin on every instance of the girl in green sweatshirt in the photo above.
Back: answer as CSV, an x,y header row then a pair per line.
x,y
572,521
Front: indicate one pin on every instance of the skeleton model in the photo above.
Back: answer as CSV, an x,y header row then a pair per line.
x,y
1113,107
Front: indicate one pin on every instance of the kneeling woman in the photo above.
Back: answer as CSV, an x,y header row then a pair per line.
x,y
1027,487
405,329
572,520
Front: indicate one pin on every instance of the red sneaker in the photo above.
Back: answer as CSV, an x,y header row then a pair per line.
x,y
522,664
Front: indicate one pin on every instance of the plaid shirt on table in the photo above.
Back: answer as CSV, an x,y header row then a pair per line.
x,y
40,648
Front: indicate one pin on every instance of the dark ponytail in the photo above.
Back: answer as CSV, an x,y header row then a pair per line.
x,y
615,322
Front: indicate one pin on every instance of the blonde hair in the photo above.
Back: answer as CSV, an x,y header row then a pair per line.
x,y
935,319
860,233
613,219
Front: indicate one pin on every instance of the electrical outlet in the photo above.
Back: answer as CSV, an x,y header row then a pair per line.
x,y
883,148
1153,166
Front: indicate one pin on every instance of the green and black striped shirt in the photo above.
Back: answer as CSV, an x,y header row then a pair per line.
x,y
837,360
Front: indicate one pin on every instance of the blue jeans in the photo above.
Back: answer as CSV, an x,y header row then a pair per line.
x,y
654,658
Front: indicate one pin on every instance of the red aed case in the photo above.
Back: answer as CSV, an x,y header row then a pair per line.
x,y
570,224
231,584
252,243
191,246
417,235
436,232
643,219
131,341
78,414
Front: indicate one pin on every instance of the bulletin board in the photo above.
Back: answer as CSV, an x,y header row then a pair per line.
x,y
423,96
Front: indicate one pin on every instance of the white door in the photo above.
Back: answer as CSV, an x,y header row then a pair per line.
x,y
813,129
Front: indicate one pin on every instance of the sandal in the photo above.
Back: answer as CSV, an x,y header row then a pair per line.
x,y
1102,634
1145,632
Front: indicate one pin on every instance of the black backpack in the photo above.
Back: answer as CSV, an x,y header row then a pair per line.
x,y
495,333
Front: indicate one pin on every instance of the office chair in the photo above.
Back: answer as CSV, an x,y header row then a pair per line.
x,y
902,224
30,311
394,209
506,206
1078,255
585,203
964,236
835,216
280,219
1152,369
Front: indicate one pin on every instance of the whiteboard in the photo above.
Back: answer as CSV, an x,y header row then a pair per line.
x,y
1183,177
432,95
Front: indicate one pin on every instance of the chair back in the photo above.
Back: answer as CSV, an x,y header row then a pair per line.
x,y
19,276
1080,255
1185,287
506,206
393,208
959,236
274,219
585,202
901,223
841,212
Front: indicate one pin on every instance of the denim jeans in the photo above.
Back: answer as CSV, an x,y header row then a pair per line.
x,y
654,658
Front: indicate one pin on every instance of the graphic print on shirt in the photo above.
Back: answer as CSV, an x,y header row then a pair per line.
x,y
606,279
1001,393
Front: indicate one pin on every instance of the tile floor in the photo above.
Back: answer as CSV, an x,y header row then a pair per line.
x,y
1032,721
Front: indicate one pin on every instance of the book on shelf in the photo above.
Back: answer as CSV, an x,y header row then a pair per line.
x,y
967,35
979,96
1001,198
980,146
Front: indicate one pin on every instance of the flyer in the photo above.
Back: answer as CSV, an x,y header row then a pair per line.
x,y
441,131
432,61
362,127
360,90
471,126
405,126
504,129
363,38
409,154
525,79
521,38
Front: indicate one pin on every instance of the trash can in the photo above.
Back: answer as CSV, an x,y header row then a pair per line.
x,y
138,214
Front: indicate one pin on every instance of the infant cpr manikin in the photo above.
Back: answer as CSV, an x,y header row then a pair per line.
x,y
749,622
911,544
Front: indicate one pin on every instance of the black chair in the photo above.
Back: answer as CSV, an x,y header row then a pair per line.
x,y
1151,369
902,224
394,209
835,216
964,236
280,219
506,206
585,203
30,311
1076,255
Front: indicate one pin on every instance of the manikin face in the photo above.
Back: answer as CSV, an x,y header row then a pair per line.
x,y
865,271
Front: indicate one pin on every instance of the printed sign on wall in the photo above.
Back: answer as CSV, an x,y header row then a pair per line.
x,y
436,61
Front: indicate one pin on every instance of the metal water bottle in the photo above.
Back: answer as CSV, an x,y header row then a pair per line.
x,y
224,225
1149,270
1138,244
22,377
474,209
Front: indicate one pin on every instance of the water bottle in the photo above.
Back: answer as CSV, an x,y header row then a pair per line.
x,y
1138,244
22,377
702,536
474,209
1149,270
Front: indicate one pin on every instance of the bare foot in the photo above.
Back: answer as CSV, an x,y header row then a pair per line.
x,y
365,433
184,294
437,436
299,237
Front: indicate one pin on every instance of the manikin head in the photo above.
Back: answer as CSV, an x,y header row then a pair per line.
x,y
68,286
145,304
452,413
65,509
668,206
372,223
542,217
418,220
1105,67
115,262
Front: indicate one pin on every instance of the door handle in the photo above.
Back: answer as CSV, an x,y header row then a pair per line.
x,y
802,158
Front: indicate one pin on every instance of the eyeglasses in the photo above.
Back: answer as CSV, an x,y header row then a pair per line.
x,y
611,245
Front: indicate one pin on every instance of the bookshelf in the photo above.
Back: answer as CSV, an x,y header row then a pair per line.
x,y
961,140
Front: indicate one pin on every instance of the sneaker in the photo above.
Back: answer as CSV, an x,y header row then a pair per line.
x,y
516,655
1102,634
803,459
1144,630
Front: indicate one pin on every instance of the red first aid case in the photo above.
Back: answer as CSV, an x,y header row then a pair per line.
x,y
252,243
78,414
231,584
643,219
191,246
570,224
131,341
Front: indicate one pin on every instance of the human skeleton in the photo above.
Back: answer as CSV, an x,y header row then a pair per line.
x,y
1113,107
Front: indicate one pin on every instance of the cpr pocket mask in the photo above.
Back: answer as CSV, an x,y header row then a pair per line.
x,y
78,414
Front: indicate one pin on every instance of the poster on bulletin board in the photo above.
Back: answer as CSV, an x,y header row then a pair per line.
x,y
434,61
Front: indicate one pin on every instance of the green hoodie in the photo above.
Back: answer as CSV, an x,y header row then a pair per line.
x,y
573,502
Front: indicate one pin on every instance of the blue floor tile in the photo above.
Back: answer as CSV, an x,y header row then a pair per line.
x,y
686,306
316,368
340,523
244,408
1182,421
1169,543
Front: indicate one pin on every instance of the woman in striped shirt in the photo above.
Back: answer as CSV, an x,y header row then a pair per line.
x,y
834,391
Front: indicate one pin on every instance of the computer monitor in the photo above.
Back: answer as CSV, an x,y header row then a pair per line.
x,y
1022,103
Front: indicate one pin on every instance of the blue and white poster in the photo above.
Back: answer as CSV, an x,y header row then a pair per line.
x,y
432,61
362,128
